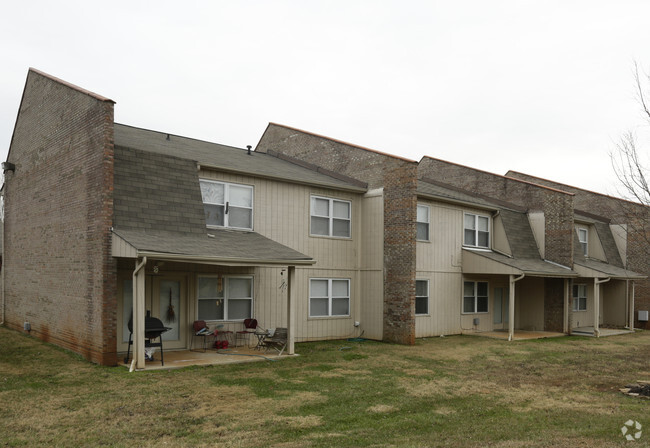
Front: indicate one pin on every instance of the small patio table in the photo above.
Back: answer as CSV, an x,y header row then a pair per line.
x,y
260,338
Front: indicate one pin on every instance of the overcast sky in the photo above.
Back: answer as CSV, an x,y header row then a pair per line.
x,y
541,87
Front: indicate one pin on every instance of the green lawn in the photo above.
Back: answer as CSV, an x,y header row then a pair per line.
x,y
458,391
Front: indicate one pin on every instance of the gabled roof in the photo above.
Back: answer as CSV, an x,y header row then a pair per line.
x,y
217,246
226,158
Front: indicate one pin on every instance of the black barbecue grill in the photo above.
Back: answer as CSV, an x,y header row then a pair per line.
x,y
153,329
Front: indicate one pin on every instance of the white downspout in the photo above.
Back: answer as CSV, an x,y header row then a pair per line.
x,y
597,304
511,306
138,317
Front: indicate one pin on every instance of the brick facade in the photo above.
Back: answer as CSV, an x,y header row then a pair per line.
x,y
554,304
59,272
398,178
619,211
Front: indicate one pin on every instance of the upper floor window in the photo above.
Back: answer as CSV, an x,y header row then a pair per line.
x,y
579,297
421,297
227,205
477,230
583,237
422,232
330,217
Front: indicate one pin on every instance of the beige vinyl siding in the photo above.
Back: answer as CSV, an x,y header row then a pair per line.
x,y
371,285
619,231
538,225
439,262
499,238
594,246
281,212
445,290
613,301
529,304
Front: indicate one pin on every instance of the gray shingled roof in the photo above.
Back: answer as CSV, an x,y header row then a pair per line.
x,y
607,269
439,191
529,266
226,158
217,245
520,235
156,192
158,209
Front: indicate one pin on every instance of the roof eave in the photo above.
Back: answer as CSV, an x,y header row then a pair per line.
x,y
350,188
185,258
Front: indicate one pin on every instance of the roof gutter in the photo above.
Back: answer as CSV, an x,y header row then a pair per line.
x,y
223,261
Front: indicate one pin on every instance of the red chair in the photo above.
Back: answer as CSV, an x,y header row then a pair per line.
x,y
250,325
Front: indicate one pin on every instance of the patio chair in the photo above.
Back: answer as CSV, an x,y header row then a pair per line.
x,y
277,341
200,330
250,325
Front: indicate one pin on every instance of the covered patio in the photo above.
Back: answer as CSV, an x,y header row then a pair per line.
x,y
214,249
538,286
613,298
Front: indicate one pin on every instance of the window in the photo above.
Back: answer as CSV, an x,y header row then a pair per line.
x,y
225,298
422,297
583,235
330,217
422,223
475,297
227,205
579,297
329,297
477,230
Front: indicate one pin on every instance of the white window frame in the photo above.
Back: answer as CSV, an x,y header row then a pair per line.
x,y
576,298
427,222
330,217
584,243
476,296
420,297
226,203
226,297
330,297
476,230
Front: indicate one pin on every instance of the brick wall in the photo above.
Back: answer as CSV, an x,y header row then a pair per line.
x,y
620,212
554,304
398,178
59,273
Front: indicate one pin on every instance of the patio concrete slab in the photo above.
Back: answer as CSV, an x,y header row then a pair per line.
x,y
604,332
519,335
185,358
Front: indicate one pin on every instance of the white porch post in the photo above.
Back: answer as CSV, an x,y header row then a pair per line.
x,y
567,287
631,305
511,308
138,314
291,309
596,307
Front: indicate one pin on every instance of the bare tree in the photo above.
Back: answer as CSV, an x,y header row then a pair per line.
x,y
629,161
